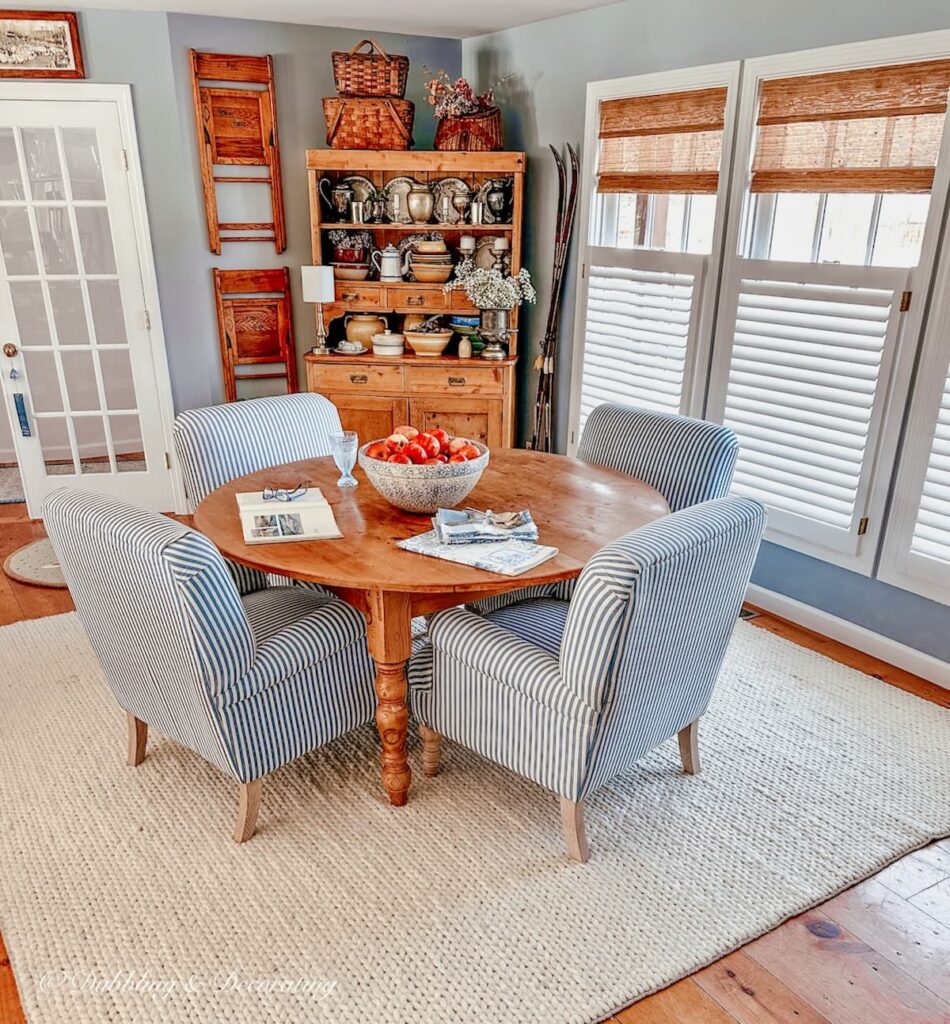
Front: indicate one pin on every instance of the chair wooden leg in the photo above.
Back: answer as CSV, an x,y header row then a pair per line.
x,y
689,747
431,750
249,796
138,737
572,820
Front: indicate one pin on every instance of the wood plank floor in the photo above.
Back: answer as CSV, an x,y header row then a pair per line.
x,y
876,954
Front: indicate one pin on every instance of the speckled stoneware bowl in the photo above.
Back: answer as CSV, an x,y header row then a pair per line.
x,y
424,489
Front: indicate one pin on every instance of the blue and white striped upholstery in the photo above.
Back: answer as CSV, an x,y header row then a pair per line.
x,y
220,443
248,683
686,460
569,694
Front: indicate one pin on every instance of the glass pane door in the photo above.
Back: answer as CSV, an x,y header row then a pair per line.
x,y
81,389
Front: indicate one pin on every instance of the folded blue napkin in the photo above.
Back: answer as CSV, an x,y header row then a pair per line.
x,y
470,526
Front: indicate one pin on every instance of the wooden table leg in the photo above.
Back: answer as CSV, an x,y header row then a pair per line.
x,y
389,633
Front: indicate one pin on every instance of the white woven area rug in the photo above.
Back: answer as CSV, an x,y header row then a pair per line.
x,y
123,898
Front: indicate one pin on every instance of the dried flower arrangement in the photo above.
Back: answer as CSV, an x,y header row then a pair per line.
x,y
456,98
491,289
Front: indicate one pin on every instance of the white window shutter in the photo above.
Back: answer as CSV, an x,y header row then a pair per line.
x,y
917,542
640,328
803,360
931,537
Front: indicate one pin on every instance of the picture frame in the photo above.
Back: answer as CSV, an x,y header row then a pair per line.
x,y
40,44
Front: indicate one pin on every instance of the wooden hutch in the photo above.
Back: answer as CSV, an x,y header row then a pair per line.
x,y
471,397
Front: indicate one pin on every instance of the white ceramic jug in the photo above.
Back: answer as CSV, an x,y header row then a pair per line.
x,y
390,264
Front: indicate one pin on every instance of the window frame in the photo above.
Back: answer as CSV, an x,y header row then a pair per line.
x,y
705,76
921,46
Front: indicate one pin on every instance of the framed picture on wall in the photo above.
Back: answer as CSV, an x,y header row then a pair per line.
x,y
39,44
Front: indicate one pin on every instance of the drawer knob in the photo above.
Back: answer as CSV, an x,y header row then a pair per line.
x,y
350,296
415,300
359,378
456,382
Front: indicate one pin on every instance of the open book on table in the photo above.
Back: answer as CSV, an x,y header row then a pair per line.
x,y
268,522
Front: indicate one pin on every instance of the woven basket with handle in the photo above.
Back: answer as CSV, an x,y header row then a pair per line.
x,y
480,132
368,123
375,73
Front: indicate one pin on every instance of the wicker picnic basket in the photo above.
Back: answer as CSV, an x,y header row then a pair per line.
x,y
375,73
368,123
480,132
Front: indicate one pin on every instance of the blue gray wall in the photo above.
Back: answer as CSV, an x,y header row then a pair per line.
x,y
150,52
552,62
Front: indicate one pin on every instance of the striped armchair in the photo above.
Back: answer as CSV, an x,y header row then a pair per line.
x,y
248,683
220,443
686,460
569,694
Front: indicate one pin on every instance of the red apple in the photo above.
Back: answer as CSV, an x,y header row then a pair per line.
x,y
408,432
396,440
457,458
378,450
469,451
430,443
435,461
441,436
416,453
457,444
401,458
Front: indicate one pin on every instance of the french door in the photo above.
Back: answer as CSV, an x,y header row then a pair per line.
x,y
84,377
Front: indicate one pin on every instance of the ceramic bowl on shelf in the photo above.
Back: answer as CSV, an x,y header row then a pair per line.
x,y
389,343
424,489
351,271
430,343
431,275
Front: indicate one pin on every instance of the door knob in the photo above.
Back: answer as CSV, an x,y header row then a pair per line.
x,y
9,350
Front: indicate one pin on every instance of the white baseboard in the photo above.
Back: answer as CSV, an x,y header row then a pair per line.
x,y
862,639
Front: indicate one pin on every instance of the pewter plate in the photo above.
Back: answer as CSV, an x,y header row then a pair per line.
x,y
451,187
400,186
363,188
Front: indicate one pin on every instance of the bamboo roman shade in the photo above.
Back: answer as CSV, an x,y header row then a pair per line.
x,y
665,143
867,130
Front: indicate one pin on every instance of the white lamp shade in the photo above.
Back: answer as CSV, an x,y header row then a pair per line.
x,y
318,284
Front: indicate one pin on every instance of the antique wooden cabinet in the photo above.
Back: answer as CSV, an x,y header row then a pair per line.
x,y
471,397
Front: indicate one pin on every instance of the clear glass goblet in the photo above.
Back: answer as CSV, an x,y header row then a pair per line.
x,y
344,445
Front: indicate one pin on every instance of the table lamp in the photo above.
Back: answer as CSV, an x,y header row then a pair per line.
x,y
319,287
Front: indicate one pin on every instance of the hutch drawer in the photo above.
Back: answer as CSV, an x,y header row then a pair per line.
x,y
354,377
416,298
451,380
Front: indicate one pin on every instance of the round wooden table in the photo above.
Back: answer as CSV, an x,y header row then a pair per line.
x,y
578,506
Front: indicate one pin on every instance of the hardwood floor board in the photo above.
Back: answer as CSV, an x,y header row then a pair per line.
x,y
909,937
10,1011
917,871
752,995
680,1003
935,901
842,977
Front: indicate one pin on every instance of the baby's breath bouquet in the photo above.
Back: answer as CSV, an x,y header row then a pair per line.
x,y
491,289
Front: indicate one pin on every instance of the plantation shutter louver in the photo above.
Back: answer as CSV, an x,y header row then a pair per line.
x,y
805,383
868,130
641,323
666,143
931,537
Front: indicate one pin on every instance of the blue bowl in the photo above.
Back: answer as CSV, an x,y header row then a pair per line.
x,y
465,321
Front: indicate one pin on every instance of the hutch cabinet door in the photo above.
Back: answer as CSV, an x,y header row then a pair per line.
x,y
370,417
477,418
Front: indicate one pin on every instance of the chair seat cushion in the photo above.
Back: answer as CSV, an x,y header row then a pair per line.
x,y
539,622
271,611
